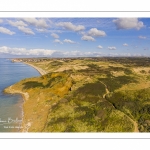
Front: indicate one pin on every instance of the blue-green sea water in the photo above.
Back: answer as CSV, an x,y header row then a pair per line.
x,y
11,105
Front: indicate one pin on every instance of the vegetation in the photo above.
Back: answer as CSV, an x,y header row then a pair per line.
x,y
87,95
114,83
134,103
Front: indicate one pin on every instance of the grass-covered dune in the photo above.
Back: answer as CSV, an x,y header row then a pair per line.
x,y
87,95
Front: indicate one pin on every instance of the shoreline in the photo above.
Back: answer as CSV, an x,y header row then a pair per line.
x,y
25,125
25,97
41,71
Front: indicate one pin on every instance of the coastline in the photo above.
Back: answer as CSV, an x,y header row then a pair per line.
x,y
41,71
25,96
25,125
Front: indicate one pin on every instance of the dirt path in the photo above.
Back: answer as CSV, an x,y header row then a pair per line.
x,y
107,91
134,122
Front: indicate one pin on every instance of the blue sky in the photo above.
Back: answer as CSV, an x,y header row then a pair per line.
x,y
74,37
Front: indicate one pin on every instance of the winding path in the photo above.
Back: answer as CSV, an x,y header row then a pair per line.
x,y
133,121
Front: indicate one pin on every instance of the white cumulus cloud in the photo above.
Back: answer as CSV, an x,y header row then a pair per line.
x,y
46,52
99,46
54,35
17,23
58,41
6,31
128,23
142,37
70,26
42,30
36,22
96,33
69,41
79,54
26,30
26,52
112,48
125,44
87,38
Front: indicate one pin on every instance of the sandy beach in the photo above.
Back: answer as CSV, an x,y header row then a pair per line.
x,y
41,71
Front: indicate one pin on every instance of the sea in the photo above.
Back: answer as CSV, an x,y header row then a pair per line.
x,y
11,105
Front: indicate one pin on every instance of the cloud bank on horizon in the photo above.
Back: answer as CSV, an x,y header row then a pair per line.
x,y
74,37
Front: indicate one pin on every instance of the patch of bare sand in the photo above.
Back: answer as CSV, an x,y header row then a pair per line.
x,y
118,73
71,67
139,69
12,91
